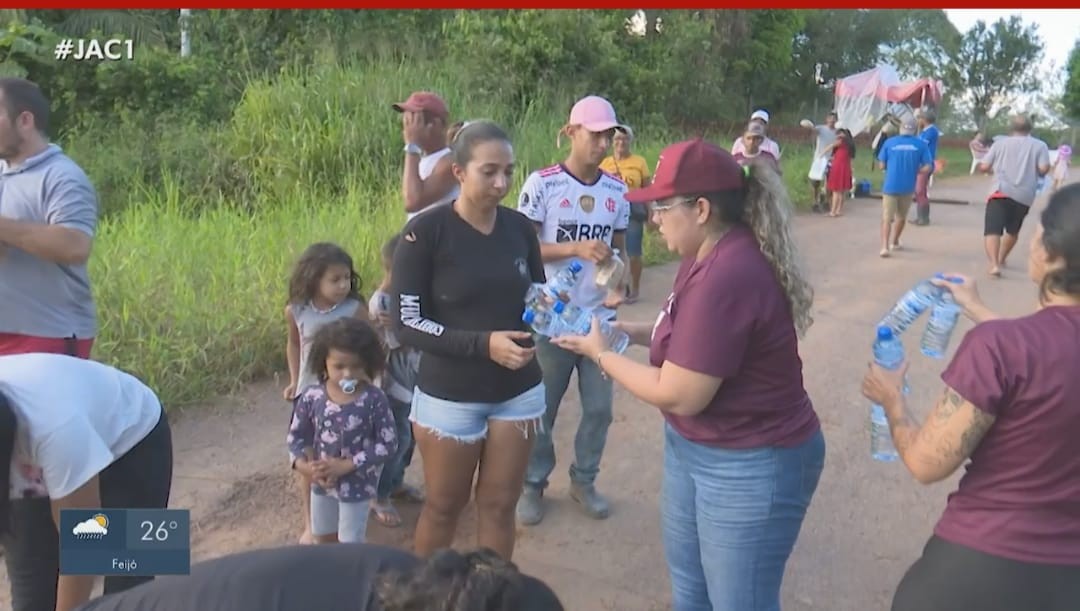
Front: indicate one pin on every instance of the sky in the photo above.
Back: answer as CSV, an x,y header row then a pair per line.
x,y
1059,28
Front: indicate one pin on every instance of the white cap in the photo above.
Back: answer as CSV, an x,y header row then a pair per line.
x,y
760,114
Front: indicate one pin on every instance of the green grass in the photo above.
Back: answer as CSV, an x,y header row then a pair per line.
x,y
192,260
193,304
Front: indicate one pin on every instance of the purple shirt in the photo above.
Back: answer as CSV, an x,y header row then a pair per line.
x,y
362,430
728,317
1020,495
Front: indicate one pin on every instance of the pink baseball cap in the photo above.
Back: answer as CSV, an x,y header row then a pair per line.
x,y
595,114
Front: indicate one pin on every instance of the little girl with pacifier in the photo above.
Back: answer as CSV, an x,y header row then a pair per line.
x,y
324,287
342,431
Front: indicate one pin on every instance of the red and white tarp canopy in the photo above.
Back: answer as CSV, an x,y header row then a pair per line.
x,y
863,99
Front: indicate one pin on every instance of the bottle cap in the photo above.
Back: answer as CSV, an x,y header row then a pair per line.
x,y
558,307
884,332
528,316
575,266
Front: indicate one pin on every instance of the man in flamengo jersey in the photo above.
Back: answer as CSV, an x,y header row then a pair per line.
x,y
581,213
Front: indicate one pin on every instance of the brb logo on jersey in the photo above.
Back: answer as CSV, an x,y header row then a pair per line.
x,y
572,231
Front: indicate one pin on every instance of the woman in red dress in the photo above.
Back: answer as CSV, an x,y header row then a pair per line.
x,y
840,179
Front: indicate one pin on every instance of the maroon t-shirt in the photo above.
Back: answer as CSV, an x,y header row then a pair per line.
x,y
1020,496
727,317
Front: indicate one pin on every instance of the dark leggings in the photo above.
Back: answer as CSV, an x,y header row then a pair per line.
x,y
140,479
951,577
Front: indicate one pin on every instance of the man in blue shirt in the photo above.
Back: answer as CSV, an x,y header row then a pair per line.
x,y
929,135
906,159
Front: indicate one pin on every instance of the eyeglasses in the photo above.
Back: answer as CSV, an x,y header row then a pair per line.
x,y
658,207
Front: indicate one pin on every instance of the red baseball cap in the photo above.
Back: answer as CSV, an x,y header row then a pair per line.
x,y
691,167
424,101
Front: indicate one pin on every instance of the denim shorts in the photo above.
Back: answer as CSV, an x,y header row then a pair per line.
x,y
468,422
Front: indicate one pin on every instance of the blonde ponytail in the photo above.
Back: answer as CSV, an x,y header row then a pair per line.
x,y
768,212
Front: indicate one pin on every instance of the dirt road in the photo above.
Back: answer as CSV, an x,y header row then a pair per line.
x,y
867,522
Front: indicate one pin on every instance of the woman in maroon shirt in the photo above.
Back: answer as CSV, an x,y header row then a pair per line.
x,y
1009,539
743,446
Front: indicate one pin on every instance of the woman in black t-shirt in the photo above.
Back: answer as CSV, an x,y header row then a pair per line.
x,y
460,275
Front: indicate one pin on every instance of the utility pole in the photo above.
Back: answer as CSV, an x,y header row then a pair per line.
x,y
185,32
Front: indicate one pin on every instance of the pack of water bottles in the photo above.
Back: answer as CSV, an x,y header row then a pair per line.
x,y
549,310
889,350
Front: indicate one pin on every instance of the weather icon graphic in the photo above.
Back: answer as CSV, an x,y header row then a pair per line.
x,y
94,528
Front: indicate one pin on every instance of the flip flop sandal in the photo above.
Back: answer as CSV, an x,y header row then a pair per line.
x,y
387,514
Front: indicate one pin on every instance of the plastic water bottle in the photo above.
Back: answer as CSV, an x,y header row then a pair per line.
x,y
568,312
617,340
543,322
610,273
889,354
562,283
912,305
537,298
939,327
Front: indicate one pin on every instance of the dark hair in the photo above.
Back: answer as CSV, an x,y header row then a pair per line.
x,y
1061,238
389,247
452,131
478,580
349,335
849,141
310,267
471,134
21,95
8,425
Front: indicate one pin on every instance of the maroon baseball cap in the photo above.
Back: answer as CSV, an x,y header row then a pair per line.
x,y
424,101
691,167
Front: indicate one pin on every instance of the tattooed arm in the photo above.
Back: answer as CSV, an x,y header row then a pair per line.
x,y
950,434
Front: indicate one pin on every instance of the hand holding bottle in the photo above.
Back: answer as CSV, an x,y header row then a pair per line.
x,y
966,294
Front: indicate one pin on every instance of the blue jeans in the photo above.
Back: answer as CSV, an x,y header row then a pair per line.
x,y
731,518
558,364
635,238
393,473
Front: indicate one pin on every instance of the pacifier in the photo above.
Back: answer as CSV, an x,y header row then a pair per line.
x,y
348,385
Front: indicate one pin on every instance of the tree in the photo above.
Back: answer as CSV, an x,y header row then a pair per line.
x,y
1071,97
763,62
992,63
927,41
843,42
